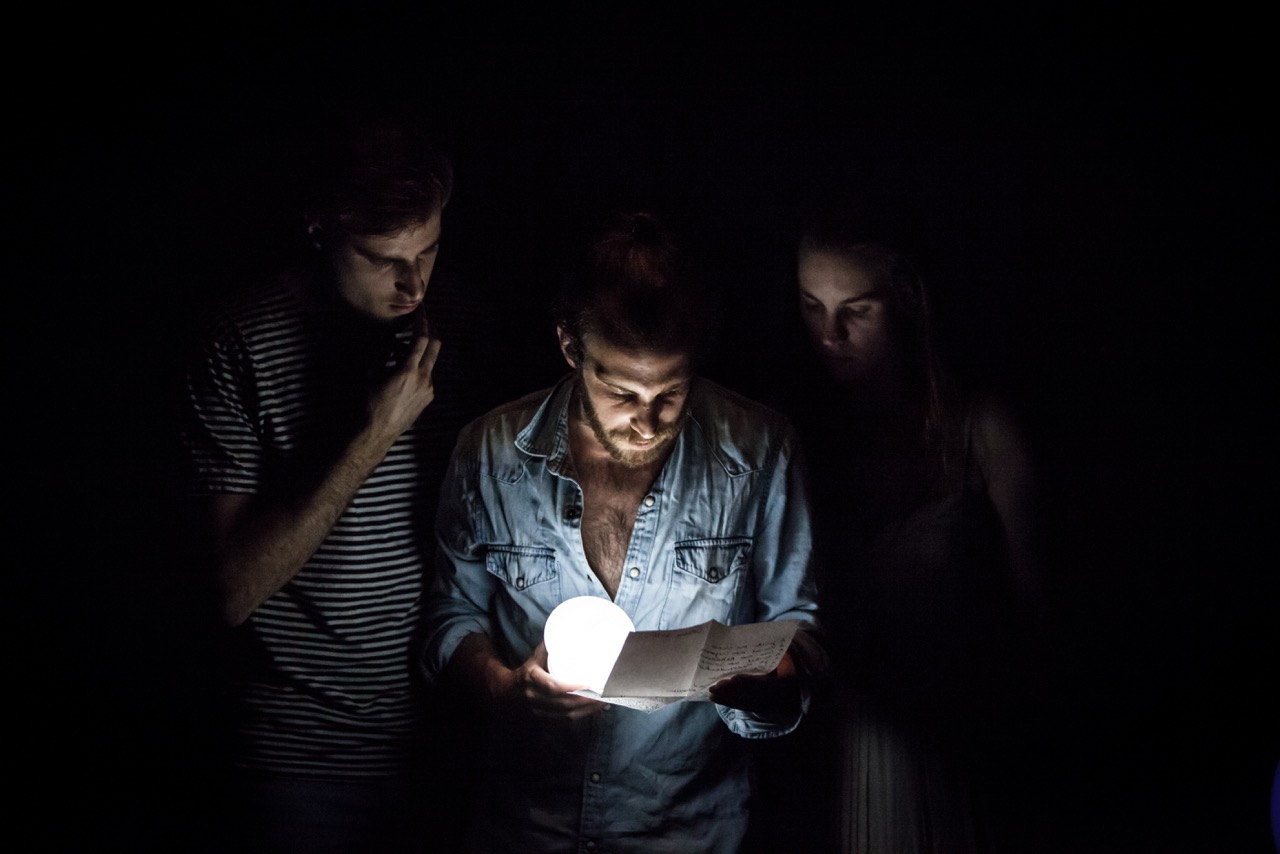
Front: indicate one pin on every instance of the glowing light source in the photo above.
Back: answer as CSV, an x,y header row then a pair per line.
x,y
584,636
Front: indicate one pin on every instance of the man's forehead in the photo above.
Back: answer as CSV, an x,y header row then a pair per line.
x,y
630,364
413,237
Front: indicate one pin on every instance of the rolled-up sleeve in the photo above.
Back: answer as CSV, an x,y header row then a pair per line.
x,y
783,569
783,556
457,602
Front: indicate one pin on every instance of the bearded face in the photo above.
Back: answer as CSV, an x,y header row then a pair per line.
x,y
633,400
625,444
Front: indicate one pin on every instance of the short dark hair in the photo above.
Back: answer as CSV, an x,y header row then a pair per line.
x,y
637,289
375,173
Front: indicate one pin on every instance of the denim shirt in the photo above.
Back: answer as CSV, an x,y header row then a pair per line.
x,y
723,533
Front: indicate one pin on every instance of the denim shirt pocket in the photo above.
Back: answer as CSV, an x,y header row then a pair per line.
x,y
707,576
522,568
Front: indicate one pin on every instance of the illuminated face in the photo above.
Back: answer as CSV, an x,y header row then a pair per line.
x,y
385,277
633,400
846,316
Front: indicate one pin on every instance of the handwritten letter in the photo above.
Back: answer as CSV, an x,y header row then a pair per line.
x,y
657,668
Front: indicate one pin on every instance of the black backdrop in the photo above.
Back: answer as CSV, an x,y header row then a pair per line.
x,y
1090,191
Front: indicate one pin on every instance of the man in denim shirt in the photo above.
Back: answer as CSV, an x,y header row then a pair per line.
x,y
634,480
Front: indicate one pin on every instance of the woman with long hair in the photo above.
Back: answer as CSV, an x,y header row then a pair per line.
x,y
925,496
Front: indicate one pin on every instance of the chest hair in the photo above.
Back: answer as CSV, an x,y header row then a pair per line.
x,y
611,498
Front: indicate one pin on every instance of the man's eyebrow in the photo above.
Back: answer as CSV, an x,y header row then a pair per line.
x,y
372,255
671,389
874,293
376,256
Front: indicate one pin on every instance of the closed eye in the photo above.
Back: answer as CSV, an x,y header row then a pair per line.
x,y
667,397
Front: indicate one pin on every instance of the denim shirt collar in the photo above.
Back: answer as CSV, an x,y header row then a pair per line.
x,y
547,434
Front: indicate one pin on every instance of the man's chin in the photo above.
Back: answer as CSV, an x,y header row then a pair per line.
x,y
635,458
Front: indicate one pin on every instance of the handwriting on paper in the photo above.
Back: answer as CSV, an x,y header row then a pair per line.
x,y
657,668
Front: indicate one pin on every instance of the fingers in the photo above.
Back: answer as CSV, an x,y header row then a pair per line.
x,y
427,362
541,679
422,356
564,706
550,698
423,346
583,707
759,693
744,691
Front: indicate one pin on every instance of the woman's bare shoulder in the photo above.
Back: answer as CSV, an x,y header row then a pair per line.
x,y
998,429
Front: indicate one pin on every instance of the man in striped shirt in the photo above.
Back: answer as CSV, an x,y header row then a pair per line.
x,y
321,416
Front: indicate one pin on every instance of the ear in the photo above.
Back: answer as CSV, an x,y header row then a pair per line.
x,y
315,233
566,345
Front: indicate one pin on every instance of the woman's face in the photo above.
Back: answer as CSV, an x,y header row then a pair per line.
x,y
845,314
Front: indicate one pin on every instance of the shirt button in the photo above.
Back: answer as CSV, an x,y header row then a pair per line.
x,y
634,572
595,776
648,501
591,845
572,513
713,573
519,583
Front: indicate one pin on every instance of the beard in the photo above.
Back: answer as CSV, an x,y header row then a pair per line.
x,y
615,441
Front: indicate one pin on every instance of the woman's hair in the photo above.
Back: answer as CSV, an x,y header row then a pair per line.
x,y
906,302
636,289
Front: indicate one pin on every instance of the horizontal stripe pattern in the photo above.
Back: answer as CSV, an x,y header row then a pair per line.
x,y
327,689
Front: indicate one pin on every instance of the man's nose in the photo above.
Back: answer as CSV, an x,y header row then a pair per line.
x,y
645,422
410,280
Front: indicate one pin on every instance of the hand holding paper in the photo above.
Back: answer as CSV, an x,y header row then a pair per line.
x,y
656,668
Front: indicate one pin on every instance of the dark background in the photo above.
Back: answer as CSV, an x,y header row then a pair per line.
x,y
1088,190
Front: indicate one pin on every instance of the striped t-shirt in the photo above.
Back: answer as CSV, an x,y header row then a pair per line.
x,y
323,677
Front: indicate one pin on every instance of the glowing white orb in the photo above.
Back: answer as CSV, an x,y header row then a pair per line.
x,y
584,636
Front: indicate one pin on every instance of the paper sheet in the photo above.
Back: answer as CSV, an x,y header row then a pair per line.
x,y
657,668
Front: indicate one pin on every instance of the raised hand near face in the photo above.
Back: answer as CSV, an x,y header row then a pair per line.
x,y
408,390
